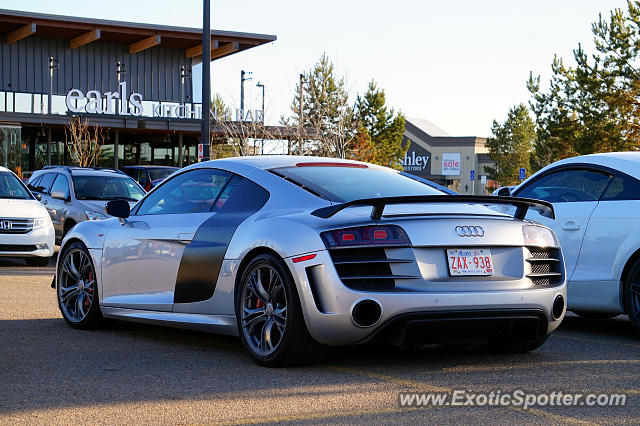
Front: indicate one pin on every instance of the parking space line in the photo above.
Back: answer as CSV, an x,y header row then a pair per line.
x,y
583,339
470,369
321,416
429,388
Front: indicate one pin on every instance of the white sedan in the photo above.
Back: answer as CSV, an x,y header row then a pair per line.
x,y
596,199
26,230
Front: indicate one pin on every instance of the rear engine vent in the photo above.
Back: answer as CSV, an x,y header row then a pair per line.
x,y
546,267
366,269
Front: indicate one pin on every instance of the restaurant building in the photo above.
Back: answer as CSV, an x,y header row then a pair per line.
x,y
132,80
457,162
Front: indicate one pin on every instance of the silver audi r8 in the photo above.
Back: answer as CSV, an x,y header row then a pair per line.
x,y
296,253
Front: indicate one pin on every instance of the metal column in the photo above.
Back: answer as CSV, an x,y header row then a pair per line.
x,y
180,149
116,137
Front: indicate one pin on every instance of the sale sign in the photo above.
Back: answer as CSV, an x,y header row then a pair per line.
x,y
451,163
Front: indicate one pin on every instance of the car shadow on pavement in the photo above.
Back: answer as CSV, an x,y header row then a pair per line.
x,y
618,327
13,266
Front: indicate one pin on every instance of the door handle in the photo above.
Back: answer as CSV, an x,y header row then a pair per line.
x,y
570,226
185,237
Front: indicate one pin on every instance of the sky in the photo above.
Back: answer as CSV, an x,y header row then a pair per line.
x,y
459,64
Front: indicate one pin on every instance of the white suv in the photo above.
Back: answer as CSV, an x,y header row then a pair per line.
x,y
25,226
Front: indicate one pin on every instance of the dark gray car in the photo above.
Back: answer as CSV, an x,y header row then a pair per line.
x,y
76,194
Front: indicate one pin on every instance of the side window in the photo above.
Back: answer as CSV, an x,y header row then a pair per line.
x,y
44,184
622,187
61,184
226,193
33,185
567,186
141,177
194,191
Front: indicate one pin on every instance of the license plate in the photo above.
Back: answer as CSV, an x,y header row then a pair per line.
x,y
464,262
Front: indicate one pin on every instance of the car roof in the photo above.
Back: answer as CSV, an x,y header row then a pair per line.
x,y
626,162
82,171
4,169
149,166
266,162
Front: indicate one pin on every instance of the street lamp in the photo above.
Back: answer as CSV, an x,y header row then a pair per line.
x,y
205,128
53,64
262,87
242,80
120,72
184,74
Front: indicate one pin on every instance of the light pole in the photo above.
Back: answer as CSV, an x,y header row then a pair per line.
x,y
242,80
260,85
206,78
184,74
53,64
120,72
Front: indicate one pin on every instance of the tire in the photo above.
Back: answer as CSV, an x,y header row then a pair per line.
x,y
269,317
631,294
77,289
514,344
595,315
37,261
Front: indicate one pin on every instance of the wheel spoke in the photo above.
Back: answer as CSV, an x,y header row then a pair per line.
x,y
66,293
266,335
70,269
252,316
635,288
78,312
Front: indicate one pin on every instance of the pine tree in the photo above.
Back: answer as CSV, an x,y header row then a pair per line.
x,y
592,107
326,109
511,144
385,127
363,149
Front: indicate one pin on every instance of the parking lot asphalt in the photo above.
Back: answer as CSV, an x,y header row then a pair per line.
x,y
134,373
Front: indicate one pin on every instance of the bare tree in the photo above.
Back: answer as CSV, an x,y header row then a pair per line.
x,y
84,142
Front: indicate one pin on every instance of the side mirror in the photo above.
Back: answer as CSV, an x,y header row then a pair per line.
x,y
118,208
58,195
504,192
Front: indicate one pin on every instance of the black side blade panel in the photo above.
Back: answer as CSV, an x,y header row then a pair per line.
x,y
202,258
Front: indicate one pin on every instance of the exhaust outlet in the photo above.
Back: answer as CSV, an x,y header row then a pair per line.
x,y
558,307
366,313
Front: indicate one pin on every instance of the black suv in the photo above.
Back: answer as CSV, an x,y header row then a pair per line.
x,y
148,176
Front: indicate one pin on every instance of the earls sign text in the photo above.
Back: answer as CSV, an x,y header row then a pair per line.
x,y
118,103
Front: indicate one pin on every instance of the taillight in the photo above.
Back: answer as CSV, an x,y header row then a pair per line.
x,y
388,235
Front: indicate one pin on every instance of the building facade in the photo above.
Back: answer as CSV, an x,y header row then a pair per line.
x,y
131,80
453,161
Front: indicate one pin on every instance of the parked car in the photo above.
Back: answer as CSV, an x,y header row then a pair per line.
x,y
293,252
75,194
596,199
504,191
26,230
148,176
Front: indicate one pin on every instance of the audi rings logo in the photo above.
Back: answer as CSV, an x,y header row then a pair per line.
x,y
470,231
6,225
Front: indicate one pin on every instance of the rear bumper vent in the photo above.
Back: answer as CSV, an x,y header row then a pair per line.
x,y
367,269
546,267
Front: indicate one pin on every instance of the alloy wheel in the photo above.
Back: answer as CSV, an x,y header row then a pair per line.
x,y
76,285
264,309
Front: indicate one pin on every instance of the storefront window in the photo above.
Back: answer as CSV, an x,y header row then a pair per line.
x,y
11,148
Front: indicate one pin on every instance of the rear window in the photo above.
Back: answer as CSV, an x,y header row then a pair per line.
x,y
155,174
344,184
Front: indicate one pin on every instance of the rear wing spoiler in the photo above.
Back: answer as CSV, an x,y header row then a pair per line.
x,y
522,205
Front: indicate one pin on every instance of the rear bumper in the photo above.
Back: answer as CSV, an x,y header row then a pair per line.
x,y
328,304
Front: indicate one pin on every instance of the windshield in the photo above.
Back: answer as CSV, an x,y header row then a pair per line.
x,y
106,188
11,187
155,174
344,184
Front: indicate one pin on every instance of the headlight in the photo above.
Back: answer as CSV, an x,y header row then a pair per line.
x,y
539,236
41,222
94,215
